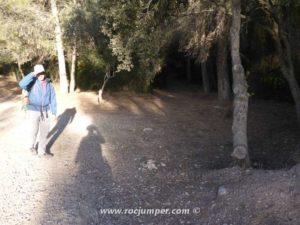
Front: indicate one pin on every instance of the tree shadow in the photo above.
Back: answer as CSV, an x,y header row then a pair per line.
x,y
62,122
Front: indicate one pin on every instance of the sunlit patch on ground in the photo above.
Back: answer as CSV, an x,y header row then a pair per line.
x,y
123,156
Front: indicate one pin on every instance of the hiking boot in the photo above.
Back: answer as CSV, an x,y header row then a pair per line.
x,y
45,155
33,151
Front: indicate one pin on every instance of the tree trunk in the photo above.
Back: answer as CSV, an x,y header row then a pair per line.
x,y
294,87
110,73
205,80
240,105
286,64
188,69
289,74
20,69
100,98
222,70
60,49
73,68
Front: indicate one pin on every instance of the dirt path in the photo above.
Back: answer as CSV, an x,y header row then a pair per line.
x,y
165,151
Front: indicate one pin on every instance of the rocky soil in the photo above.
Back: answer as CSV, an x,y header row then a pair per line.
x,y
170,150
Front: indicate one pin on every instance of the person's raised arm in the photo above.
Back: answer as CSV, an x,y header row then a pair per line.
x,y
27,80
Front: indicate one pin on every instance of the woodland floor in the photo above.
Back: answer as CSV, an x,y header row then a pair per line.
x,y
168,150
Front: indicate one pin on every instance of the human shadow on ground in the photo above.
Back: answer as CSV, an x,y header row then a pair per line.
x,y
85,189
62,122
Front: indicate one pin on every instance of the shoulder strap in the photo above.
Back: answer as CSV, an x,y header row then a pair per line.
x,y
30,85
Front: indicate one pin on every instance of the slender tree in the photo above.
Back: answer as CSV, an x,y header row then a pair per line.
x,y
188,69
60,49
73,67
209,20
74,31
205,77
224,91
279,15
240,105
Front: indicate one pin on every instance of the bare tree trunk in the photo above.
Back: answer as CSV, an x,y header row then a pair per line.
x,y
73,68
100,98
294,87
240,105
110,73
205,80
60,49
222,53
289,75
20,69
188,69
222,70
286,64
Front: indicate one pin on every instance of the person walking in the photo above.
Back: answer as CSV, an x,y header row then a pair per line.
x,y
41,108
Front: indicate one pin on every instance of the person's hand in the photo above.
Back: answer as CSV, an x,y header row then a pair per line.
x,y
26,100
53,117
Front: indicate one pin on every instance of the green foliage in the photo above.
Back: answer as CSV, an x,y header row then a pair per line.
x,y
209,23
90,71
26,31
259,46
274,80
123,34
134,36
288,3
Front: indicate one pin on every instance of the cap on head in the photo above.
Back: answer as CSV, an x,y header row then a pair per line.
x,y
39,69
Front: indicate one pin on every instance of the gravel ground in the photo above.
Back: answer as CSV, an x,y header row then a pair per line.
x,y
140,152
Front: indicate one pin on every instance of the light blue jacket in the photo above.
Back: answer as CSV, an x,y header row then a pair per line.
x,y
37,99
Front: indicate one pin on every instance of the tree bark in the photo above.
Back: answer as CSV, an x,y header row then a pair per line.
x,y
205,79
188,69
60,49
294,87
20,68
73,69
222,70
286,63
100,92
240,105
110,73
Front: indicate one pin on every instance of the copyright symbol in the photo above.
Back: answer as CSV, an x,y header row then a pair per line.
x,y
196,210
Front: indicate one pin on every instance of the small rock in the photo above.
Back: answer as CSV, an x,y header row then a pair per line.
x,y
147,129
150,165
197,166
248,171
222,191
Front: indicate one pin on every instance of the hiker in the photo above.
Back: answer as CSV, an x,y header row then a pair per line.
x,y
41,105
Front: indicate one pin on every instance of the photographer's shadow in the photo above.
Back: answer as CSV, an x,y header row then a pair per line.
x,y
62,121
